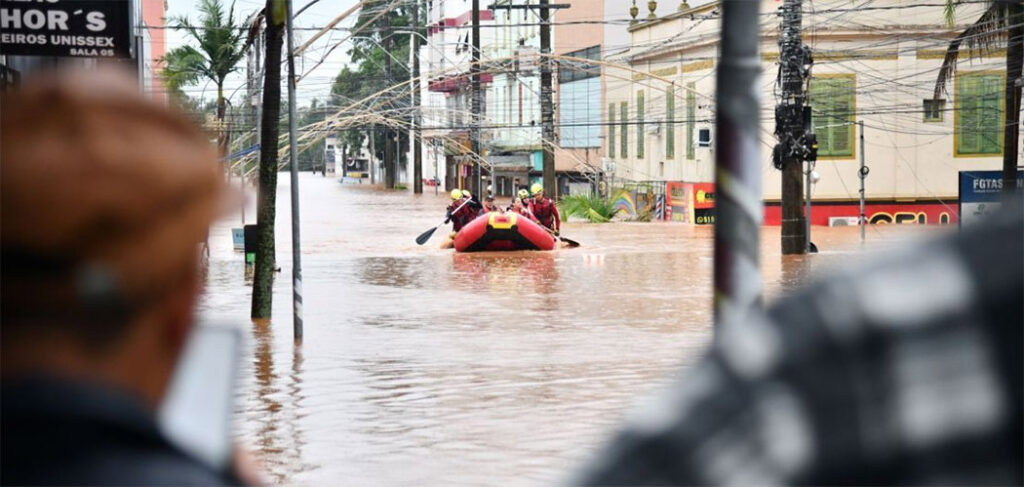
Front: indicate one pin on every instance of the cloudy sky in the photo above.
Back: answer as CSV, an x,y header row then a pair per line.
x,y
318,83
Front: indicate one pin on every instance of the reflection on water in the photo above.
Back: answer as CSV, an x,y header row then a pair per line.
x,y
421,366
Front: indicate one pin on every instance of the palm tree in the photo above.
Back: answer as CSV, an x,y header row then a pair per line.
x,y
1001,17
222,44
266,210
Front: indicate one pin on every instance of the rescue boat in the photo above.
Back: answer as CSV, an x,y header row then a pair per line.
x,y
503,231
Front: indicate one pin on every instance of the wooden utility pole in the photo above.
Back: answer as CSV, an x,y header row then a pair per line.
x,y
476,183
547,109
789,116
266,206
417,140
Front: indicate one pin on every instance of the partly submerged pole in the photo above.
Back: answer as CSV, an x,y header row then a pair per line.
x,y
293,160
863,173
738,209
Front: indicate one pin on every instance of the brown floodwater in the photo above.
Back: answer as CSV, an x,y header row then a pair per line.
x,y
422,366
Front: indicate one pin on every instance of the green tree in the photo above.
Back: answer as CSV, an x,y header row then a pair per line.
x,y
222,45
1000,18
366,74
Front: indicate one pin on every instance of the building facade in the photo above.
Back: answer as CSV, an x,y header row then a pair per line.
x,y
875,65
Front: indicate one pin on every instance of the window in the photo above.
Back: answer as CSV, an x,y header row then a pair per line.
x,y
640,124
624,131
611,130
670,119
691,124
933,110
979,114
569,71
832,108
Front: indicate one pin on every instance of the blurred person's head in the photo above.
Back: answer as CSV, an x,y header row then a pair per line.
x,y
104,200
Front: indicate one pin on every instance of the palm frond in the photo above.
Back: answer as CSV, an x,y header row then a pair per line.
x,y
979,37
592,208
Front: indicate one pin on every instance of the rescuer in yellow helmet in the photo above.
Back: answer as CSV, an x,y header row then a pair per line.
x,y
544,209
463,208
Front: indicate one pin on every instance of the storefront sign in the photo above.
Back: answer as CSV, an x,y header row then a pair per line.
x,y
691,202
980,192
65,28
876,212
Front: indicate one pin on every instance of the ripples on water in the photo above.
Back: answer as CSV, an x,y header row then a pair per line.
x,y
421,366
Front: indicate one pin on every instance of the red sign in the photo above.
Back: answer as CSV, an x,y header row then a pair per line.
x,y
914,213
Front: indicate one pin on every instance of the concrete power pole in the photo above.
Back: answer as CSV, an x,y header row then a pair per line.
x,y
417,140
789,154
476,184
390,154
547,111
737,276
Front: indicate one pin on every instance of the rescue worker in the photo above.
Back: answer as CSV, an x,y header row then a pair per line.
x,y
544,209
519,204
461,211
490,205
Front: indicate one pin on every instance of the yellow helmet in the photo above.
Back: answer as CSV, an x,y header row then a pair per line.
x,y
456,194
524,193
536,189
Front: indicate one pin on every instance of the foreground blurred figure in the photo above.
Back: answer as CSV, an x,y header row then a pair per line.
x,y
105,199
905,371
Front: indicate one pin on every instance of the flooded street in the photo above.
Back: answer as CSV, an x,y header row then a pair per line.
x,y
421,366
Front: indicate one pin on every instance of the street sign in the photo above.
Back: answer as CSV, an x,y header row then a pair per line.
x,y
980,193
65,28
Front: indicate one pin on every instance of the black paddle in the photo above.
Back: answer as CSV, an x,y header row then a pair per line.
x,y
422,239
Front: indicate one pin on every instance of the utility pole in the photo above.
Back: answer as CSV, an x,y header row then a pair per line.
x,y
1012,95
373,155
266,205
863,173
476,184
417,140
294,160
738,209
389,149
547,112
790,119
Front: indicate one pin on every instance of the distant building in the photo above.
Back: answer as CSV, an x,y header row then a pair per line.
x,y
875,64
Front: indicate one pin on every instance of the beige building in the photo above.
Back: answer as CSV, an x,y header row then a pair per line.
x,y
874,64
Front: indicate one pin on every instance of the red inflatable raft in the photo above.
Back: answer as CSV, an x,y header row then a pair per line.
x,y
503,231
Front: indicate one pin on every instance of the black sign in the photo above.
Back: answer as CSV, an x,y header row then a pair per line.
x,y
65,28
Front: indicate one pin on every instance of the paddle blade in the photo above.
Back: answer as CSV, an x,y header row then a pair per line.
x,y
571,242
422,239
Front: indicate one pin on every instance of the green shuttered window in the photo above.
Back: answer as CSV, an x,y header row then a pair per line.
x,y
833,105
691,124
979,114
670,122
624,131
611,130
640,124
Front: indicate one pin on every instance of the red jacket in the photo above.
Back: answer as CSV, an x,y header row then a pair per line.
x,y
463,215
546,212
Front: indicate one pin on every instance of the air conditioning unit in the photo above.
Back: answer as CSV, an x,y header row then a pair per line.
x,y
704,138
653,129
608,166
843,221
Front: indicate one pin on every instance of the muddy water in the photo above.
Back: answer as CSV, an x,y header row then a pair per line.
x,y
425,367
